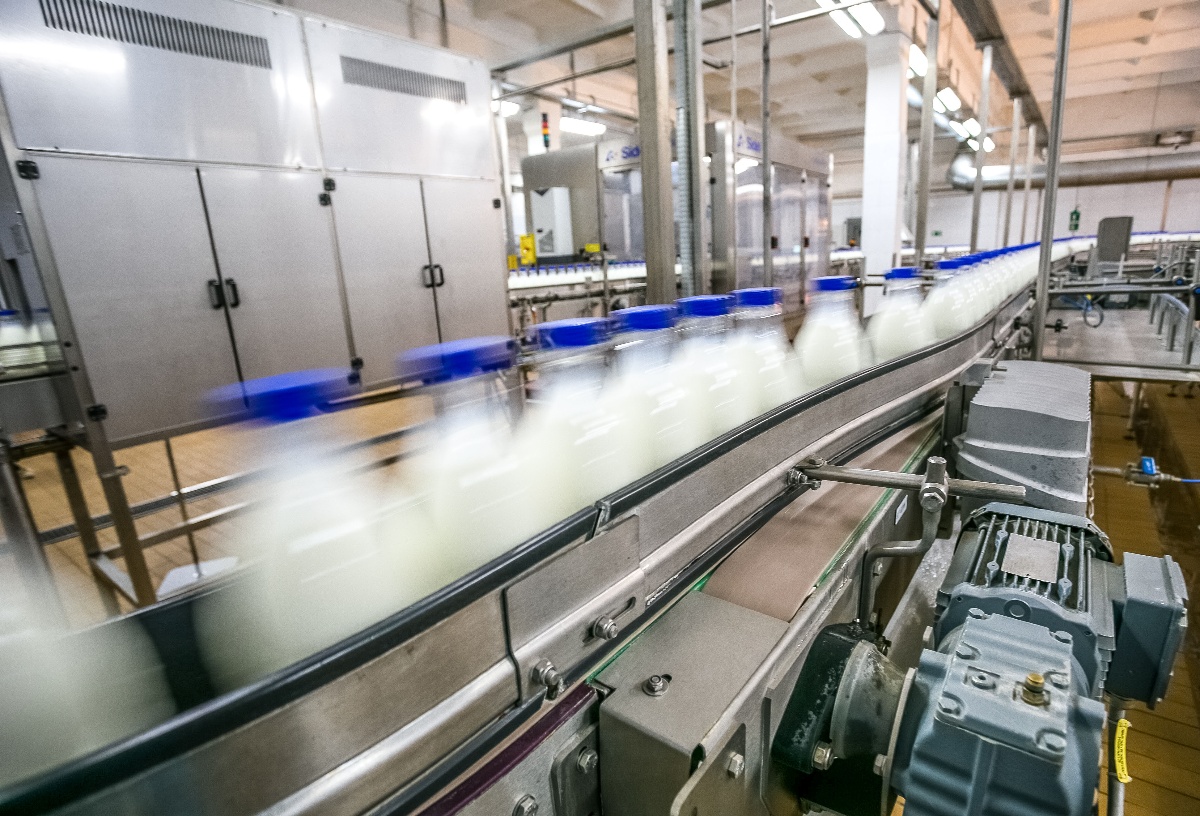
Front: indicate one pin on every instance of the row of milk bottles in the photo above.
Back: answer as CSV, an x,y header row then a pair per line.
x,y
613,400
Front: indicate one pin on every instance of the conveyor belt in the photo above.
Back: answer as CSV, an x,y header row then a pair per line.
x,y
421,695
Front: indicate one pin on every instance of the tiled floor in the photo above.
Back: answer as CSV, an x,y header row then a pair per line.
x,y
199,457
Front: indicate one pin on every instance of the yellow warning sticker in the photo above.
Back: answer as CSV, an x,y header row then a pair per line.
x,y
1120,759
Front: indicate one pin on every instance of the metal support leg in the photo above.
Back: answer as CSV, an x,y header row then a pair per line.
x,y
31,561
1013,143
127,535
650,43
1135,404
1050,191
182,504
925,154
1116,788
83,523
1189,328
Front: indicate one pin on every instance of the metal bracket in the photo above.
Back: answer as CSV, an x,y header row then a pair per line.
x,y
325,199
330,185
575,775
27,169
97,412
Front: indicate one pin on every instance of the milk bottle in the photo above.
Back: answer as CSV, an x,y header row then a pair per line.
x,y
945,309
588,447
473,479
899,327
723,395
68,694
321,571
831,344
761,350
659,407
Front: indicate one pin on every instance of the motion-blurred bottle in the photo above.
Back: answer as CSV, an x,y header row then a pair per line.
x,y
319,571
476,484
658,405
899,327
761,350
831,344
723,394
585,445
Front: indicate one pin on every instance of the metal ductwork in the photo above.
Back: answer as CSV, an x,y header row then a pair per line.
x,y
961,174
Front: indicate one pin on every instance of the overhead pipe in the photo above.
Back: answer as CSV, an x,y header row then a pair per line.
x,y
961,174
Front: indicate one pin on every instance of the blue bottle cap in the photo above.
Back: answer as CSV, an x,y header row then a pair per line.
x,y
573,332
283,397
645,318
835,283
704,305
457,359
902,273
950,264
761,296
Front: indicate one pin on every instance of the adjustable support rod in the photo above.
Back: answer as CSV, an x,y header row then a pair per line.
x,y
933,490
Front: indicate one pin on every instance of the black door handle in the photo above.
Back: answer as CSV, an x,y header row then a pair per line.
x,y
235,298
441,275
216,296
427,276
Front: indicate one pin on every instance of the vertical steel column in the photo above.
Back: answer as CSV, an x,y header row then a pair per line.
x,y
443,24
83,523
1014,140
925,157
23,541
689,144
768,172
1030,154
1050,190
731,262
654,133
985,86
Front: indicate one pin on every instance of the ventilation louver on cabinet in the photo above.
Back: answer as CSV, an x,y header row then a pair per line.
x,y
401,80
129,25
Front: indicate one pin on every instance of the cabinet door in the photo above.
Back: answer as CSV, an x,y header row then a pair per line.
x,y
275,248
381,236
133,256
466,238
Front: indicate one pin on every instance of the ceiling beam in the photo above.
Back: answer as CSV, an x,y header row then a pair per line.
x,y
984,26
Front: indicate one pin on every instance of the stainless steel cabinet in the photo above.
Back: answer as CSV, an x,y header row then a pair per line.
x,y
465,231
385,261
132,251
274,246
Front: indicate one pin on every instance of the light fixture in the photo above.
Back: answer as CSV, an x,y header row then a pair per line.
x,y
743,164
917,61
581,127
938,106
950,99
988,144
505,107
867,16
974,145
959,129
842,19
972,126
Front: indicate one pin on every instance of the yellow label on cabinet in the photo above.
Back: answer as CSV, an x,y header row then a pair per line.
x,y
528,250
591,249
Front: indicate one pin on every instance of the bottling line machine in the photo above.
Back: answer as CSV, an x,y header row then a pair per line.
x,y
889,586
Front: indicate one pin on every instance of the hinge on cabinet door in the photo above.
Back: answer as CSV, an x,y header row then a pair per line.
x,y
325,199
27,169
356,364
330,185
97,412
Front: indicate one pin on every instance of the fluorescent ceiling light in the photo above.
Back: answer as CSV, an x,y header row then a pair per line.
x,y
505,107
950,99
959,129
581,127
988,144
917,61
974,145
938,106
842,19
972,126
743,164
869,18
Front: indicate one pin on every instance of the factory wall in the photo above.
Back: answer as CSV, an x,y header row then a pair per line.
x,y
950,211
